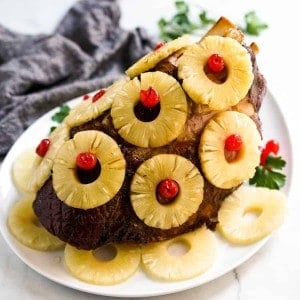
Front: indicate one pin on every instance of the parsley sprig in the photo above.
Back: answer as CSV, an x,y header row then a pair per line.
x,y
254,25
59,116
181,23
268,175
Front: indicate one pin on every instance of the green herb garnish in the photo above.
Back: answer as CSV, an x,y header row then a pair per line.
x,y
181,23
253,24
205,20
59,116
266,176
52,128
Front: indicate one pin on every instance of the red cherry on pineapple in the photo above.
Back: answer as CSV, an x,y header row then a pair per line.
x,y
233,142
85,97
168,189
98,95
42,147
149,98
86,161
159,45
216,63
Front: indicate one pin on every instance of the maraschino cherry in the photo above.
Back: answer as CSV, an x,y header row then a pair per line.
x,y
216,63
149,98
98,95
233,142
86,161
42,147
167,190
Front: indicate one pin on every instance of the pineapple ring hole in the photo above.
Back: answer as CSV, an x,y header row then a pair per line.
x,y
232,156
105,253
178,247
219,77
251,214
89,176
146,114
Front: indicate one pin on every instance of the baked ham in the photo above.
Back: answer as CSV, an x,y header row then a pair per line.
x,y
116,221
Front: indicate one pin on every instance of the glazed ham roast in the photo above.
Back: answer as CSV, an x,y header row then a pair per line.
x,y
144,160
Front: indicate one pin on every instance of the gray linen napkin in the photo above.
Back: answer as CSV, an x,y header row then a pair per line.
x,y
87,51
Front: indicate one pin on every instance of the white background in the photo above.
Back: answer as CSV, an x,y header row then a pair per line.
x,y
274,272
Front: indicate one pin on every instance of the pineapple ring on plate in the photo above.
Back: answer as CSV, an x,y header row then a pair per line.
x,y
23,167
161,263
90,108
42,170
169,122
217,169
65,176
268,206
203,90
23,225
151,59
143,191
84,265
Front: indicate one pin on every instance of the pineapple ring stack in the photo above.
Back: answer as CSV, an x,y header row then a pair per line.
x,y
101,190
201,88
145,182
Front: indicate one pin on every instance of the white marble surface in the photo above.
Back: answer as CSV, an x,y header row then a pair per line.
x,y
273,272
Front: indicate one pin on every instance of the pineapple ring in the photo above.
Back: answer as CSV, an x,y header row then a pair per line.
x,y
151,59
216,168
203,90
86,267
160,264
105,187
88,110
143,191
166,126
22,169
23,225
43,170
271,206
